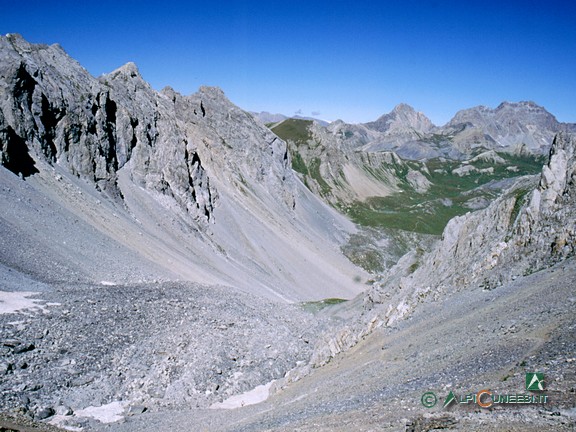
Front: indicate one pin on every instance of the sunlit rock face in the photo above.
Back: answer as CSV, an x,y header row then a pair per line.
x,y
209,168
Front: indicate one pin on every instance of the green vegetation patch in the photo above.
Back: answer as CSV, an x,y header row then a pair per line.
x,y
410,215
294,130
314,170
437,138
315,306
298,163
428,213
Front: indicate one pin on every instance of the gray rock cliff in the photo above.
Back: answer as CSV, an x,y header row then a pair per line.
x,y
54,110
529,228
195,166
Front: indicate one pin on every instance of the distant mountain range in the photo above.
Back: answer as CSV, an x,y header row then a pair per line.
x,y
401,172
267,118
520,127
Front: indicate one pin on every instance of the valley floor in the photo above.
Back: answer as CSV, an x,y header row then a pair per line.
x,y
472,341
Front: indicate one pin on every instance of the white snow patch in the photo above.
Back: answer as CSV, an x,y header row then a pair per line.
x,y
107,283
17,301
60,421
251,397
109,413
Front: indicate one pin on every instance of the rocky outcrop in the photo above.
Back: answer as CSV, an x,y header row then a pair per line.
x,y
529,228
232,141
53,111
418,181
403,120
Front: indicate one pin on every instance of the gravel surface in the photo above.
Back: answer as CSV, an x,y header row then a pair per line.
x,y
468,342
164,346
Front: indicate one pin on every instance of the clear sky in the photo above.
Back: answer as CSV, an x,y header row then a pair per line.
x,y
353,60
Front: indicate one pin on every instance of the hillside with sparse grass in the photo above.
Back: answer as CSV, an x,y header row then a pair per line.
x,y
393,199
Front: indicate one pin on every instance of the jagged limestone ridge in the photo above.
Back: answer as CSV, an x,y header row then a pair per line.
x,y
53,111
402,120
529,228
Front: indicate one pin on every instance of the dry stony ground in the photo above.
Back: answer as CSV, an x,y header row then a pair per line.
x,y
169,350
175,348
472,341
160,347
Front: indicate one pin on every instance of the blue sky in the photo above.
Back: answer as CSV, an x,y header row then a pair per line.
x,y
353,60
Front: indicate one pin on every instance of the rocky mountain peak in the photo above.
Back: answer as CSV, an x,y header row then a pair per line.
x,y
213,92
126,77
404,108
516,112
16,43
527,105
129,70
20,44
403,119
512,126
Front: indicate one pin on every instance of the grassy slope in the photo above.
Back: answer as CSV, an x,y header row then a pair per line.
x,y
296,133
398,215
428,213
